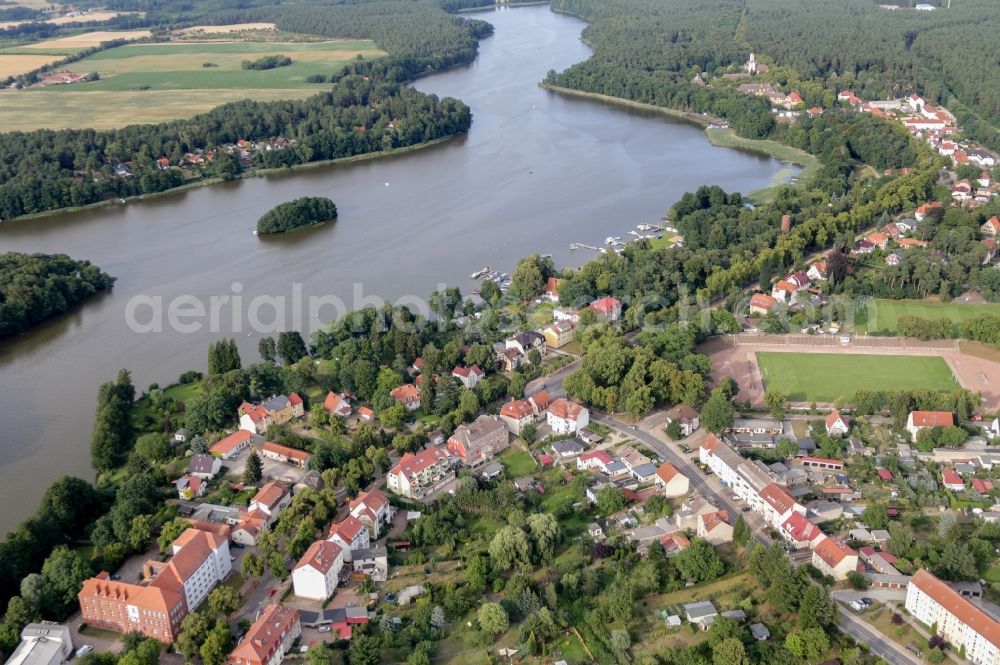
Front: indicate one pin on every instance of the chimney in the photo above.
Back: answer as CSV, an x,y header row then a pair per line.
x,y
786,223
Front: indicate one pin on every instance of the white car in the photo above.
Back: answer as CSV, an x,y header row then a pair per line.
x,y
84,650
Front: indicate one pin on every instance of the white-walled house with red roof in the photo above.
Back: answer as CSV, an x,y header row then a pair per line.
x,y
420,473
567,417
351,534
373,508
316,574
918,420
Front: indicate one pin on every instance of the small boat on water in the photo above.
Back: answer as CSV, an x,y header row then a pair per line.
x,y
482,272
255,232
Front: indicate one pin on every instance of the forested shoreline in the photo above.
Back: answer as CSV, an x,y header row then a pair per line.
x,y
369,108
35,287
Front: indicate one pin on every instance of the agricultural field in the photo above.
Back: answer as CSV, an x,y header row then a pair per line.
x,y
227,29
146,83
15,64
881,315
823,377
85,40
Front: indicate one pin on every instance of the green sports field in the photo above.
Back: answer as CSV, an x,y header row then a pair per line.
x,y
823,377
881,315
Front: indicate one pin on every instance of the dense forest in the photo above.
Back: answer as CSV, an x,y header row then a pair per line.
x,y
34,287
291,215
368,109
648,51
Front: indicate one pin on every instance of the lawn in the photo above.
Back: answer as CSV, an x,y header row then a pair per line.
x,y
881,315
823,377
518,463
148,83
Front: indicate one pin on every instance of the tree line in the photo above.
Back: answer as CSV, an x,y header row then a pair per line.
x,y
368,109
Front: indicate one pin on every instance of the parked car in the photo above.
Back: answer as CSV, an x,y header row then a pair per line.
x,y
272,592
324,629
858,606
745,509
84,650
685,448
238,546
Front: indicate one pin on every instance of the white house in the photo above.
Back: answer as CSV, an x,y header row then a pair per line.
x,y
351,534
566,417
201,560
961,623
673,482
686,417
373,508
836,424
315,575
469,376
715,528
918,420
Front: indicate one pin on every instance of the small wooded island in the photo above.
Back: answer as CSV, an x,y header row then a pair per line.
x,y
297,214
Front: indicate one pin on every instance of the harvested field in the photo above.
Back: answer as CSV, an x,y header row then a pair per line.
x,y
16,64
27,110
89,39
225,29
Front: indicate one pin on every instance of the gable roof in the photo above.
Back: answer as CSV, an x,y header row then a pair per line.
x,y
565,409
710,521
466,372
762,300
833,417
777,498
932,418
667,472
265,635
832,551
226,445
959,606
202,463
321,555
270,495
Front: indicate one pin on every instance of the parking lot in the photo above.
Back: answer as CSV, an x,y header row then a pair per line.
x,y
270,469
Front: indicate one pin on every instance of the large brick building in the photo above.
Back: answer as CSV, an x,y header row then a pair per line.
x,y
173,589
479,441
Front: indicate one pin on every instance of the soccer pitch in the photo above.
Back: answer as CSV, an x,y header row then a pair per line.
x,y
823,377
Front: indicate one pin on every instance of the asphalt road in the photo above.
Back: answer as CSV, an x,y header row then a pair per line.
x,y
708,486
879,644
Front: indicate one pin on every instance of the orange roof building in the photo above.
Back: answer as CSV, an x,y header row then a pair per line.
x,y
269,638
171,591
834,558
962,624
232,444
918,420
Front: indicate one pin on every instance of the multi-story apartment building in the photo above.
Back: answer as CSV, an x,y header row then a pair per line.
x,y
479,441
316,574
961,623
373,508
418,474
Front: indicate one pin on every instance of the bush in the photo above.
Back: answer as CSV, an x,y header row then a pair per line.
x,y
267,62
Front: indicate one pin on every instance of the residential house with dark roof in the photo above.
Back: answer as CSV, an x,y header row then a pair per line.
x,y
479,441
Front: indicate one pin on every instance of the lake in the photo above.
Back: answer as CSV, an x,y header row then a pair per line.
x,y
537,172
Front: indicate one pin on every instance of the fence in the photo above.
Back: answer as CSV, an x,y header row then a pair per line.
x,y
843,341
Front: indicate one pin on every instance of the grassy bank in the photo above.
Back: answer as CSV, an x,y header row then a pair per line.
x,y
727,138
248,174
722,138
